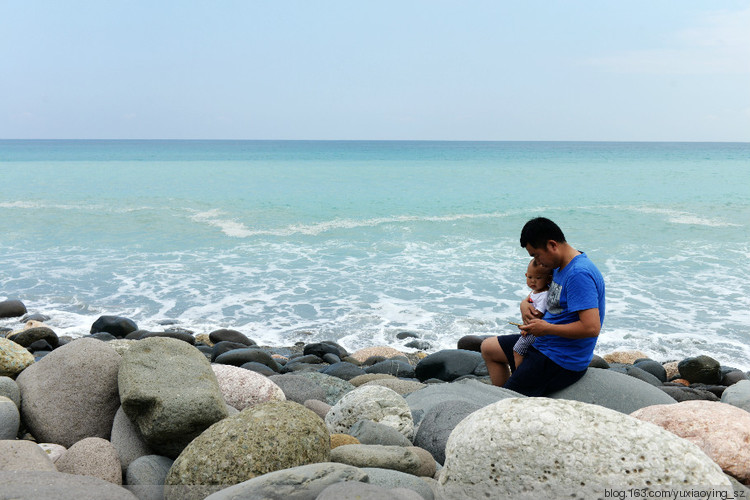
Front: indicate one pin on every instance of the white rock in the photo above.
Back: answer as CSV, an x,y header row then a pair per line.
x,y
376,403
546,448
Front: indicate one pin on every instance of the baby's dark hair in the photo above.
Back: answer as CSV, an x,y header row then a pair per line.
x,y
537,232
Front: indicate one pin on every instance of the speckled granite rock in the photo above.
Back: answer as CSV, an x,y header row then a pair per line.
x,y
263,438
587,449
13,358
375,403
722,431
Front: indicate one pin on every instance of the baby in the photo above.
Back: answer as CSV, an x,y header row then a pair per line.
x,y
538,279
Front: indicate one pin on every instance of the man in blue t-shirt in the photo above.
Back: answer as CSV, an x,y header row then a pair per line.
x,y
566,333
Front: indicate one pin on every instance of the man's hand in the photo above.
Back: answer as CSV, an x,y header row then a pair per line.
x,y
535,327
528,312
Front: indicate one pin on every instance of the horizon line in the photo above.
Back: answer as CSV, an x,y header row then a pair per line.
x,y
384,140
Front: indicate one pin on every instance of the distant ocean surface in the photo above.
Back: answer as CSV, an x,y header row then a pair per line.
x,y
355,242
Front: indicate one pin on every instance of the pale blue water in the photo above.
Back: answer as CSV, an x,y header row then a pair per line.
x,y
357,241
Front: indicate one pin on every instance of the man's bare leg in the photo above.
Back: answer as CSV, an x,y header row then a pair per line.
x,y
497,363
518,359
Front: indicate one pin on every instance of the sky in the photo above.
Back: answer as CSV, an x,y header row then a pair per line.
x,y
598,70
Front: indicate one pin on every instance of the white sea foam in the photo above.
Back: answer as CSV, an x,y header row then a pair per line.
x,y
230,227
681,217
234,228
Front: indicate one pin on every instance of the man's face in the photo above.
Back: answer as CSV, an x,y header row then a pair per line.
x,y
544,256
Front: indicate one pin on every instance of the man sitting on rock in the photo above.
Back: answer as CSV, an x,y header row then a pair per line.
x,y
566,333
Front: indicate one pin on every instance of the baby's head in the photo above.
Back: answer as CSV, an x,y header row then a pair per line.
x,y
538,277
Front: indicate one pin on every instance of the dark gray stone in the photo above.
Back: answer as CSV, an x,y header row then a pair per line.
x,y
738,395
438,423
225,346
469,391
116,325
35,317
227,335
653,367
320,349
448,364
681,393
331,358
471,342
732,377
406,335
598,362
636,372
335,387
298,388
31,335
392,367
613,390
343,370
254,366
422,345
12,308
103,336
238,357
369,432
700,369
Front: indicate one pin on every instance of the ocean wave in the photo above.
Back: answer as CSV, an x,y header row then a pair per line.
x,y
681,217
236,229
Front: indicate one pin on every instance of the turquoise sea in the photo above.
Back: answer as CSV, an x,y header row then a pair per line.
x,y
357,241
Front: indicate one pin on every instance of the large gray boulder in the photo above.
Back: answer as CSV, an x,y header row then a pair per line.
x,y
71,393
613,390
495,453
304,482
35,485
469,391
169,391
263,438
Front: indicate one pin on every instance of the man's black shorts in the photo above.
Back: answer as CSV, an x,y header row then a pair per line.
x,y
538,375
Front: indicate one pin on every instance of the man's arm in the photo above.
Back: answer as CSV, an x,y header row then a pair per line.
x,y
588,325
528,311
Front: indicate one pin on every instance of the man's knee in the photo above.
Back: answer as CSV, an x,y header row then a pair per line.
x,y
492,351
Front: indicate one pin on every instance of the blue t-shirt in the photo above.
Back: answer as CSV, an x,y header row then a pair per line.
x,y
576,287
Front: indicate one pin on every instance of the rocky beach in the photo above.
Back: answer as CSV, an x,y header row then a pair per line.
x,y
128,413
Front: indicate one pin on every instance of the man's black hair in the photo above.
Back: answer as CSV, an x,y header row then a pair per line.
x,y
537,232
